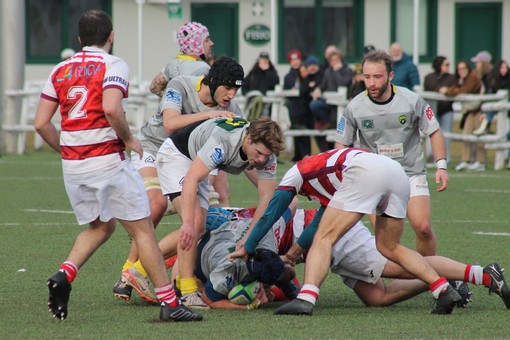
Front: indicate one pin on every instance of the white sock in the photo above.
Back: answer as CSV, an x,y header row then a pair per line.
x,y
309,293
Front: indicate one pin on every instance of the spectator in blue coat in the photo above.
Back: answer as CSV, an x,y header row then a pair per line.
x,y
405,71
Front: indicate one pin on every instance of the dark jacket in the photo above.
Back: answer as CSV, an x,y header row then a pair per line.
x,y
333,79
406,73
299,107
433,82
260,80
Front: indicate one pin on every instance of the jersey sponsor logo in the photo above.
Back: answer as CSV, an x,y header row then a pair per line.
x,y
88,70
230,282
402,119
272,167
116,79
217,155
150,160
429,113
340,128
173,96
367,124
231,123
68,74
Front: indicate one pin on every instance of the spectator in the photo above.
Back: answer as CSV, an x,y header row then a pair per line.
x,y
483,67
299,110
309,84
467,81
262,77
405,72
338,74
441,77
358,83
327,52
498,79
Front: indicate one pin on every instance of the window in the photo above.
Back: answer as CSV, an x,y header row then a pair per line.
x,y
52,25
311,25
402,23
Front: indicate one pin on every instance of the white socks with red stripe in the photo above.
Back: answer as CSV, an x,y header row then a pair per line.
x,y
438,286
309,293
167,294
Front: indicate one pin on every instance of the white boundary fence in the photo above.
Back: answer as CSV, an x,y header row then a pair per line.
x,y
490,102
142,104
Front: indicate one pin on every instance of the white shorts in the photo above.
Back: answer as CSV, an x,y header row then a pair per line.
x,y
148,160
120,196
355,257
419,185
172,166
373,183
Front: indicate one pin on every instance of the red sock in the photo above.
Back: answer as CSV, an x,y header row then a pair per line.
x,y
70,269
167,294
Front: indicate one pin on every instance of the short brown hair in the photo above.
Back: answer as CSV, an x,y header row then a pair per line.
x,y
94,28
268,132
378,56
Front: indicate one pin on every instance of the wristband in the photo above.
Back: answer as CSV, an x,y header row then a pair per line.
x,y
441,164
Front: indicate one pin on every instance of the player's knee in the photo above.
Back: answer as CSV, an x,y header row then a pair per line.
x,y
424,231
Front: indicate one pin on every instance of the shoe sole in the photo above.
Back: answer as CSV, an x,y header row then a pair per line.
x,y
133,283
124,297
58,298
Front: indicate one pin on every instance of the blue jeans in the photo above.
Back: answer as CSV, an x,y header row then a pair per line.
x,y
321,110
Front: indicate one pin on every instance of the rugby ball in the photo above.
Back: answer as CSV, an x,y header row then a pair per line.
x,y
244,293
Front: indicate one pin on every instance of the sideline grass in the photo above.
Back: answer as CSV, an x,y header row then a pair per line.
x,y
37,229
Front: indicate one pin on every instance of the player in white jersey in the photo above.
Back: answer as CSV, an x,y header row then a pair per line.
x,y
90,88
356,260
184,162
349,183
388,120
188,100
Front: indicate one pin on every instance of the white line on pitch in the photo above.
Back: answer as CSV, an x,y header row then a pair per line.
x,y
490,233
49,211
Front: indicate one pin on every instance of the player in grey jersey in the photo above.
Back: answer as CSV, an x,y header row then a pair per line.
x,y
196,49
388,120
184,162
188,99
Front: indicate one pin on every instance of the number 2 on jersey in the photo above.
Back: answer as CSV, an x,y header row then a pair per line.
x,y
78,93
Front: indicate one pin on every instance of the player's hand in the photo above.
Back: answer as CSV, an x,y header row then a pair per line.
x,y
287,260
239,253
220,114
441,179
134,145
186,236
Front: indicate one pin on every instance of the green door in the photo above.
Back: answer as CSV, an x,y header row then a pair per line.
x,y
478,27
222,20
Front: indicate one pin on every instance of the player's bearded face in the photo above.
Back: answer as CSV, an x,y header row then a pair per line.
x,y
377,80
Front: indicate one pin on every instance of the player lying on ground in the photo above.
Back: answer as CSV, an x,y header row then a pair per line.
x,y
362,267
219,275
